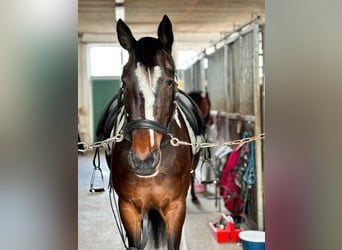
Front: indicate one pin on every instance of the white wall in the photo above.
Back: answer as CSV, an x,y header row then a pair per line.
x,y
83,94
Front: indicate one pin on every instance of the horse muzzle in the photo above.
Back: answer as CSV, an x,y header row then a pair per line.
x,y
146,166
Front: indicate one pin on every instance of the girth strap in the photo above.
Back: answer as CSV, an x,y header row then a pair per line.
x,y
148,124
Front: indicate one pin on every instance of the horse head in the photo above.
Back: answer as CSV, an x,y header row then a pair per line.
x,y
149,87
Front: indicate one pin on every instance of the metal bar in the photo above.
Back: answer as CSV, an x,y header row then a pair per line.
x,y
233,36
257,130
225,76
226,38
232,32
252,21
236,116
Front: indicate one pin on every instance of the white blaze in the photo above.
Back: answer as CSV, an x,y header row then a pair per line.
x,y
147,81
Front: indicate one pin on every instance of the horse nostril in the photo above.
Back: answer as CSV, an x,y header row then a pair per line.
x,y
156,157
149,162
132,158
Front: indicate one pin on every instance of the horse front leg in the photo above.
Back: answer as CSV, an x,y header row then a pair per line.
x,y
131,220
174,216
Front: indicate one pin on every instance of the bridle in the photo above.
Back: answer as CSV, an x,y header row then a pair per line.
x,y
148,124
144,123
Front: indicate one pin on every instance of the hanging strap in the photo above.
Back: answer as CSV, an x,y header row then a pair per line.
x,y
249,176
118,221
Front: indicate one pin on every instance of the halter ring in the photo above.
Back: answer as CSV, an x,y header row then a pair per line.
x,y
174,141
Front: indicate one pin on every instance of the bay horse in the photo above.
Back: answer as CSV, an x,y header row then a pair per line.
x,y
151,176
203,102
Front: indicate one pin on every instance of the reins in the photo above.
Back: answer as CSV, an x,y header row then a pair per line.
x,y
119,225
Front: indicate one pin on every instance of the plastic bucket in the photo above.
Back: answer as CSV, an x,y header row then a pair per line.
x,y
252,240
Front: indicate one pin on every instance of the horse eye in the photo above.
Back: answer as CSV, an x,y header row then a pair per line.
x,y
169,82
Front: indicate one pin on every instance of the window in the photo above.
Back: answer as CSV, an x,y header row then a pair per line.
x,y
186,58
106,60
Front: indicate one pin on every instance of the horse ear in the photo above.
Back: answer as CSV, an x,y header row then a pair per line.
x,y
165,33
125,37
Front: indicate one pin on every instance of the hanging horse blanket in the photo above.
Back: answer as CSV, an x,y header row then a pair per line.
x,y
228,188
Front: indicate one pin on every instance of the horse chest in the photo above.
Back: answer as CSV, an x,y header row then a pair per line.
x,y
155,202
152,195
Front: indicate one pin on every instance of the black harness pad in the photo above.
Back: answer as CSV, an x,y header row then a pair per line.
x,y
191,111
108,117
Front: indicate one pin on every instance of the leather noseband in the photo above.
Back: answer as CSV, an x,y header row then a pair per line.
x,y
148,124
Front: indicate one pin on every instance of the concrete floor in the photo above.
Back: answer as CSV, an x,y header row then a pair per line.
x,y
97,229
